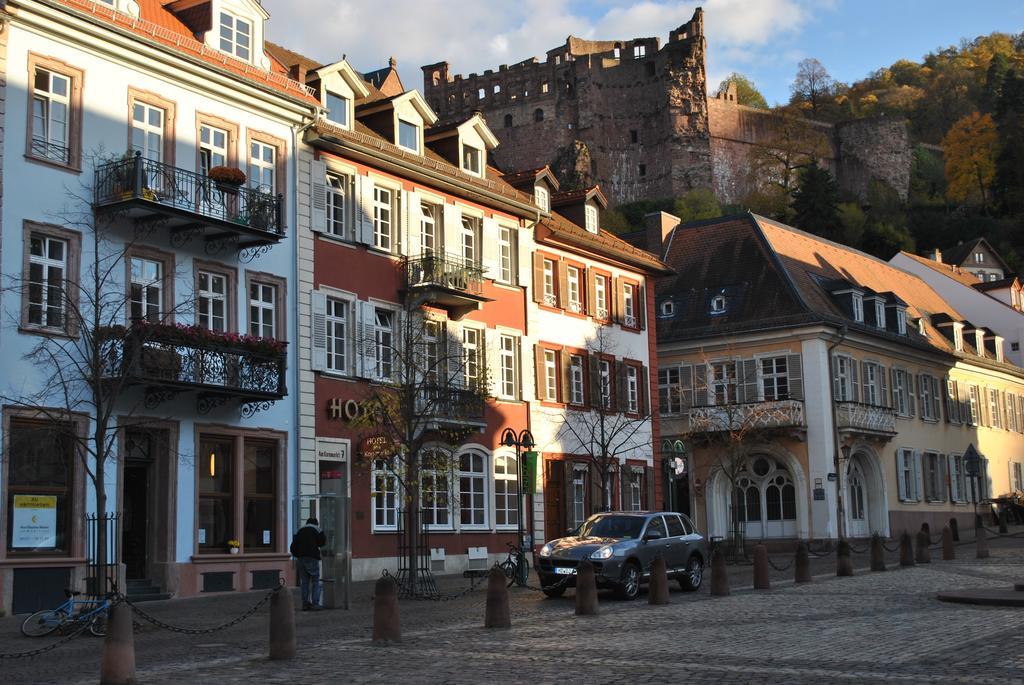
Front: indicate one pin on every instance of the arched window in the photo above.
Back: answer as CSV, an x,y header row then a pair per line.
x,y
472,489
508,121
668,308
718,304
506,490
538,114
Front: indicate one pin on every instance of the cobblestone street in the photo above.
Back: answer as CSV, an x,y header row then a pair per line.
x,y
870,628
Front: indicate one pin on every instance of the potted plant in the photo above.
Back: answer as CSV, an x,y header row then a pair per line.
x,y
228,179
233,546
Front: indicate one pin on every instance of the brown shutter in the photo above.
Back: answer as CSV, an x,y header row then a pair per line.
x,y
563,284
594,380
651,504
538,277
567,521
620,400
591,307
563,369
615,301
643,403
594,474
627,492
538,368
641,306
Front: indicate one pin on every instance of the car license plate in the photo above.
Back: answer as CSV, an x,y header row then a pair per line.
x,y
565,571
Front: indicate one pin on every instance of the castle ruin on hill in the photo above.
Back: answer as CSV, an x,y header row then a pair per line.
x,y
635,116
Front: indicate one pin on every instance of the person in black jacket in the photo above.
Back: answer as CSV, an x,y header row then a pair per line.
x,y
306,548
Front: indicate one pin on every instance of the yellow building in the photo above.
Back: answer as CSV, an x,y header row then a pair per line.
x,y
811,390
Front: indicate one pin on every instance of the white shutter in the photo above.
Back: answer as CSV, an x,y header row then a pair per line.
x,y
364,210
318,330
318,195
492,359
411,216
452,230
941,488
901,466
365,347
490,252
916,495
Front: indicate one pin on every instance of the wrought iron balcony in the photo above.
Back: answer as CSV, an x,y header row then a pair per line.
x,y
447,405
169,360
747,416
867,419
447,281
187,205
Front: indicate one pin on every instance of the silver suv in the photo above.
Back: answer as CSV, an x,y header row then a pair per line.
x,y
621,546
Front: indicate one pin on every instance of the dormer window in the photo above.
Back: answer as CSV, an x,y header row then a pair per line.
x,y
979,257
979,343
337,108
879,314
472,160
409,135
858,307
901,321
717,305
668,308
591,218
542,197
958,337
921,327
236,36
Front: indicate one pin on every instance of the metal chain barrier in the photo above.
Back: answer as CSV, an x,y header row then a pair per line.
x,y
564,582
855,550
199,631
80,627
780,569
894,548
826,552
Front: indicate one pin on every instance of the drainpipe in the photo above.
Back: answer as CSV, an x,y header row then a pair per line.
x,y
843,330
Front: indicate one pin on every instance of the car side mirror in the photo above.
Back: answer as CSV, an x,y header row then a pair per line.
x,y
653,535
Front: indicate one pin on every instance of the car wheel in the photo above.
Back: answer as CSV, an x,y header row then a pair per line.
x,y
629,583
552,588
694,574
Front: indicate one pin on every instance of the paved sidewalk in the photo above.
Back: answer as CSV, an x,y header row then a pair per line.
x,y
871,628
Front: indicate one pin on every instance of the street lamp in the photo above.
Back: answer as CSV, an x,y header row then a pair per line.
x,y
522,441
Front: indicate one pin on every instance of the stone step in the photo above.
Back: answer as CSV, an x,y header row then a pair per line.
x,y
148,596
1001,597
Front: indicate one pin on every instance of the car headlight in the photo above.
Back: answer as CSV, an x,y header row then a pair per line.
x,y
546,550
603,553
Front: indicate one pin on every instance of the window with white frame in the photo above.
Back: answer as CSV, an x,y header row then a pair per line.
x,y
472,490
51,114
408,135
717,304
636,489
385,495
979,258
432,355
668,308
146,290
337,108
670,396
47,281
579,497
1011,412
472,160
906,467
632,390
550,375
774,379
958,338
507,345
879,313
382,218
263,167
213,302
590,218
262,309
1015,472
974,401
337,335
576,379
383,334
434,482
858,307
213,148
472,356
506,490
934,482
542,198
605,372
549,283
957,482
429,242
470,239
628,305
506,254
148,131
639,51
843,380
573,282
994,411
723,383
924,383
901,392
873,384
901,321
236,36
601,297
337,194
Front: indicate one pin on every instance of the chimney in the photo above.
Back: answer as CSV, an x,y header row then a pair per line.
x,y
297,72
657,226
937,255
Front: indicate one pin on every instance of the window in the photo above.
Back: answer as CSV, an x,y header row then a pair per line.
x,y
670,397
382,218
901,392
385,495
929,389
472,492
497,88
718,304
408,135
668,308
40,480
907,470
258,492
262,310
507,351
879,314
774,379
634,136
543,87
605,372
472,160
957,482
213,301
994,410
958,338
600,297
263,167
470,237
472,356
550,375
573,282
974,399
873,384
337,108
549,283
542,198
641,170
858,307
723,383
979,258
506,490
508,121
1015,473
428,228
48,270
591,218
628,306
844,378
576,379
148,131
337,195
579,497
146,289
51,116
639,51
235,36
383,332
901,321
632,390
934,478
213,148
434,497
506,254
538,114
337,335
636,478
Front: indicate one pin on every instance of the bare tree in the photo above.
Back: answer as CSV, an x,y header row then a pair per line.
x,y
812,84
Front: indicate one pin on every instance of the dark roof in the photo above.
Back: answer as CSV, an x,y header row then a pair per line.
x,y
289,57
570,196
985,286
558,229
530,176
959,255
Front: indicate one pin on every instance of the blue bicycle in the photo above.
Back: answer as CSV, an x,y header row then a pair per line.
x,y
72,615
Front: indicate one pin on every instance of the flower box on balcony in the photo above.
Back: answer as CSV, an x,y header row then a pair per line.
x,y
155,362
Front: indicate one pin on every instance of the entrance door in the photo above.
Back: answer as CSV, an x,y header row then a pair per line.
x,y
135,526
554,505
857,496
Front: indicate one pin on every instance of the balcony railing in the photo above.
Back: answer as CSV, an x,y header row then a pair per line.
x,y
746,416
459,405
444,271
162,191
169,360
869,418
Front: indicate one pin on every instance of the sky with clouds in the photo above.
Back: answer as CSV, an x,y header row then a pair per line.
x,y
763,39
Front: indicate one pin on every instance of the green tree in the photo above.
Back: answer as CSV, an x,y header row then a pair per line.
x,y
815,202
970,149
746,92
697,204
1009,174
853,223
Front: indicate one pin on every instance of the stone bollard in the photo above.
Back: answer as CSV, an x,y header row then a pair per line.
x,y
719,577
657,591
978,521
386,625
844,565
282,625
497,613
981,543
927,529
117,665
761,580
877,553
955,527
1003,530
906,550
586,590
948,553
922,554
802,563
